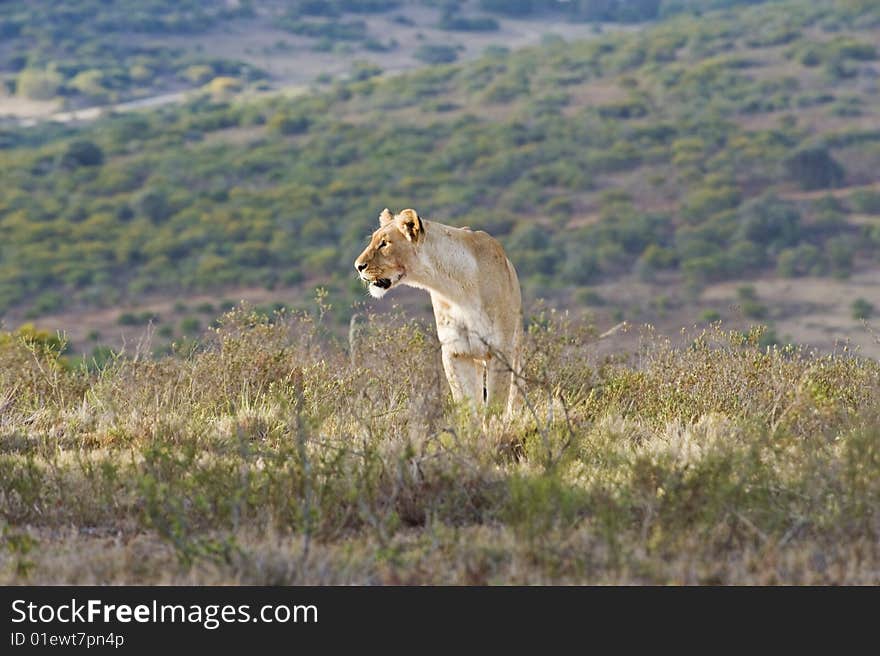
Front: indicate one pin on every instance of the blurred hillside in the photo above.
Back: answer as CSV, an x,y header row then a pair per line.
x,y
92,52
717,160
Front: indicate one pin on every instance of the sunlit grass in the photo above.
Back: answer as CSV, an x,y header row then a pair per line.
x,y
264,457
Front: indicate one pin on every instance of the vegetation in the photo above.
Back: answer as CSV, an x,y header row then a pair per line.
x,y
862,309
689,143
256,448
265,457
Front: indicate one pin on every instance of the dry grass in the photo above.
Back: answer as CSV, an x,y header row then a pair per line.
x,y
265,457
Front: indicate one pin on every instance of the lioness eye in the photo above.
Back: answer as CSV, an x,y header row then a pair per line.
x,y
383,244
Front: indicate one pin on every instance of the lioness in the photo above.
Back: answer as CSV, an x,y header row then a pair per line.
x,y
475,293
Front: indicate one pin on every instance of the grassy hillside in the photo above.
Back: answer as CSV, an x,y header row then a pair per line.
x,y
728,146
267,458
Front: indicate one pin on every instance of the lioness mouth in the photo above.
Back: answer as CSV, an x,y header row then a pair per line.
x,y
382,283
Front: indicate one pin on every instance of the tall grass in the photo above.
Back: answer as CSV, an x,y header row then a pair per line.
x,y
266,456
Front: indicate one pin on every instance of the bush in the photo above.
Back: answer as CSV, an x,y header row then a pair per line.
x,y
190,326
39,84
814,168
753,309
862,309
793,262
331,30
770,222
361,71
588,297
749,304
140,319
788,264
509,7
436,54
288,124
866,200
154,204
624,109
205,308
840,252
45,303
82,153
704,202
454,22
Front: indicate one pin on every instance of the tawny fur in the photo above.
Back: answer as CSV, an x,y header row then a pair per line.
x,y
475,294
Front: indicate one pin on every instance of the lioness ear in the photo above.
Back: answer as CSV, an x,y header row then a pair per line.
x,y
410,224
385,217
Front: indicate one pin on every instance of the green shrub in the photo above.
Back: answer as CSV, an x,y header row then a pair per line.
x,y
458,23
770,222
435,53
39,84
862,309
288,124
814,168
865,200
190,326
82,153
588,297
841,251
702,203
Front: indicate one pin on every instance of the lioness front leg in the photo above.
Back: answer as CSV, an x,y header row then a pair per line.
x,y
462,376
498,383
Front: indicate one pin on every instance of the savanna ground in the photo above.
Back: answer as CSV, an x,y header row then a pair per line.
x,y
268,455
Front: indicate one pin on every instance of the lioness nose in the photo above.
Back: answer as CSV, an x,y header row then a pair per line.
x,y
360,266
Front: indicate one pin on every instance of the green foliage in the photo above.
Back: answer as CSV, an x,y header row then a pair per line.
x,y
814,168
770,222
39,84
587,296
587,10
862,309
455,22
82,153
137,319
841,251
702,204
328,29
288,124
206,196
435,53
190,326
800,261
749,304
866,200
509,7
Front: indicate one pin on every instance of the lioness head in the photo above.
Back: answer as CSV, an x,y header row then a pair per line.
x,y
384,262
